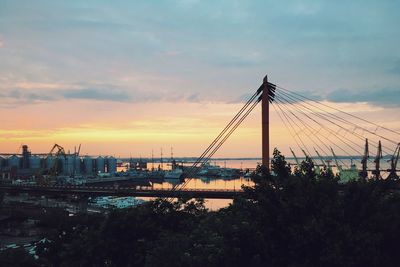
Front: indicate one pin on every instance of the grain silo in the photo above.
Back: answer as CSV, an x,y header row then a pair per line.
x,y
34,162
70,165
77,165
111,165
88,165
14,161
50,160
100,164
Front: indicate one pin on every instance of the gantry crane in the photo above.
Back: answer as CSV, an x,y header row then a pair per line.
x,y
338,166
295,158
48,173
320,158
364,173
377,172
393,164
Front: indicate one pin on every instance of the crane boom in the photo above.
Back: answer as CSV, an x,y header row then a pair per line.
x,y
377,172
53,169
295,158
320,158
393,164
336,160
364,161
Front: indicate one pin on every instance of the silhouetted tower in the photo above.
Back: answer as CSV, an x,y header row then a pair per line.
x,y
364,162
25,157
265,123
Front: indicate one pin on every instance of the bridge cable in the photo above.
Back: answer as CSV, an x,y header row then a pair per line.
x,y
332,116
329,141
349,114
203,157
333,133
192,171
312,131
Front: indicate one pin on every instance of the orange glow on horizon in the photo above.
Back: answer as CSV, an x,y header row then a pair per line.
x,y
124,129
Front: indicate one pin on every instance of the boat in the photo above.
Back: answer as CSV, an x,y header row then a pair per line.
x,y
229,173
174,174
209,170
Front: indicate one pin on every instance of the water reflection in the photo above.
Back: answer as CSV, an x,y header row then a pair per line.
x,y
204,183
238,182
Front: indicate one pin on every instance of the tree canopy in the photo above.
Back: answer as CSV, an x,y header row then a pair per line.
x,y
289,218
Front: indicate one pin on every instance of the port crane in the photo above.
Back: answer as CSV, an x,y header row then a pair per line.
x,y
364,173
339,167
295,158
377,172
320,158
393,164
46,174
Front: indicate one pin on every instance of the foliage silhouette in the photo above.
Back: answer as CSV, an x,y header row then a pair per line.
x,y
297,218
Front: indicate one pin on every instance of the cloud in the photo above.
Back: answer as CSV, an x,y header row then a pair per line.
x,y
385,97
36,85
241,99
293,97
32,93
194,98
16,97
382,97
98,94
225,45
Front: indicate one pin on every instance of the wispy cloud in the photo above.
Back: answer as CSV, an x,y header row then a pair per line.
x,y
97,94
385,97
382,97
34,93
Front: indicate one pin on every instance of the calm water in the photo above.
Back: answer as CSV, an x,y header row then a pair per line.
x,y
236,183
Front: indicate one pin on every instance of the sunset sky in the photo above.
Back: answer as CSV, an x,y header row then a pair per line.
x,y
127,77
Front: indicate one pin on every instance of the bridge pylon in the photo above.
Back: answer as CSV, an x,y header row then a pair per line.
x,y
265,123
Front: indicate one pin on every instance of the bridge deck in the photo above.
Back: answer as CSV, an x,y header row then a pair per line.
x,y
121,191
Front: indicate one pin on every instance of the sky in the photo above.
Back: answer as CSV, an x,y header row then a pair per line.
x,y
124,78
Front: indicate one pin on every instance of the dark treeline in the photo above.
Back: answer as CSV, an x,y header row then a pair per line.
x,y
289,219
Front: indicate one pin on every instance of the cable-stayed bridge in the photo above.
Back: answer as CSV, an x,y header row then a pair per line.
x,y
319,130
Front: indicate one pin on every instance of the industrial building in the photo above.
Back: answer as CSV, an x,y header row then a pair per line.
x,y
28,165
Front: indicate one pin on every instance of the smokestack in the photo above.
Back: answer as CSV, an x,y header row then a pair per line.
x,y
25,157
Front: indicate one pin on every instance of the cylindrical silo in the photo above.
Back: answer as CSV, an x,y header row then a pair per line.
x,y
68,164
77,165
88,165
62,165
34,162
100,166
2,162
14,161
111,165
50,162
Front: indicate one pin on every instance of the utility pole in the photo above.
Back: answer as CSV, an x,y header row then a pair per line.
x,y
265,123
